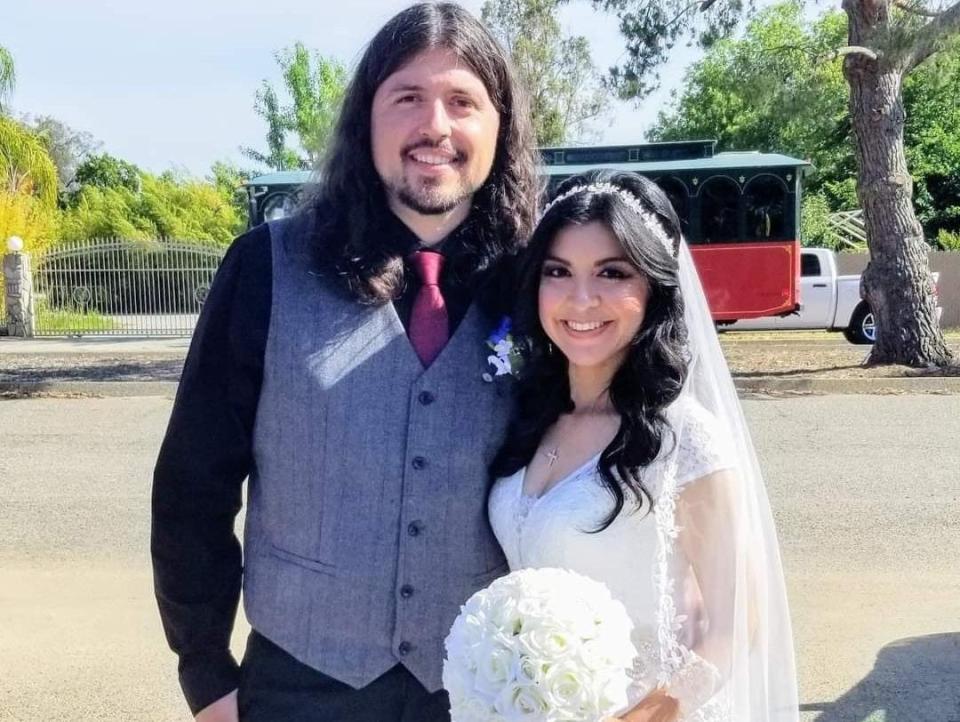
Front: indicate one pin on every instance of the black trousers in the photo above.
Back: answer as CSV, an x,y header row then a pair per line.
x,y
275,687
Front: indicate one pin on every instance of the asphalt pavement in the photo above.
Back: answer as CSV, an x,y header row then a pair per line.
x,y
864,489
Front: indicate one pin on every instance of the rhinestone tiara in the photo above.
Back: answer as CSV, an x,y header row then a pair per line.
x,y
649,220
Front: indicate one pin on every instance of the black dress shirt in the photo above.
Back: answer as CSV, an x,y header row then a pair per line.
x,y
208,451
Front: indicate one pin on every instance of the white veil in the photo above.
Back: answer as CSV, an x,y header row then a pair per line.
x,y
724,633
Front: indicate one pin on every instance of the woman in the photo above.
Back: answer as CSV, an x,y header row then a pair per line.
x,y
629,460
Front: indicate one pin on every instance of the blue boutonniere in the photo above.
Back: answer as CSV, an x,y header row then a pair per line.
x,y
506,358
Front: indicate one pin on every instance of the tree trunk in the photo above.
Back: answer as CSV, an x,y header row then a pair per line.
x,y
897,282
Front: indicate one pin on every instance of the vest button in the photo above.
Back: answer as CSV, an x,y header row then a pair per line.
x,y
414,528
406,591
419,463
426,398
405,648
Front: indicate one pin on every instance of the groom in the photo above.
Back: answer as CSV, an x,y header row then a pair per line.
x,y
340,363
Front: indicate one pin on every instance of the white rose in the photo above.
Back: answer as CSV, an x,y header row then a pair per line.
x,y
472,710
543,645
613,694
542,639
495,665
528,670
507,616
519,703
458,681
530,606
567,687
594,655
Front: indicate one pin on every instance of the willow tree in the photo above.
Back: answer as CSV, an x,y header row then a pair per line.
x,y
25,165
8,75
886,41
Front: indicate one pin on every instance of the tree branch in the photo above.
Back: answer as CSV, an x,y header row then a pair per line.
x,y
851,50
928,41
914,10
700,5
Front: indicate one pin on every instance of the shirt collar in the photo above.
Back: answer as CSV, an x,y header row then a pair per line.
x,y
409,242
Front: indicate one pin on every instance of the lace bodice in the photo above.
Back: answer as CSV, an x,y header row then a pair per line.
x,y
553,530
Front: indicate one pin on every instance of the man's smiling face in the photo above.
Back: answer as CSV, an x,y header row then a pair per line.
x,y
434,134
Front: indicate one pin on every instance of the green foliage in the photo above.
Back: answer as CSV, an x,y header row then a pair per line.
x,y
651,29
778,89
25,165
106,171
771,91
228,179
932,140
316,86
26,216
8,75
186,209
98,212
160,207
948,241
68,148
278,155
67,319
566,93
814,222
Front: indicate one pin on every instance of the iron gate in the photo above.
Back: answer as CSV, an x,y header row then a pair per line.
x,y
116,287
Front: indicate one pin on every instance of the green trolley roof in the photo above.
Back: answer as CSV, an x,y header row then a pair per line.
x,y
720,162
649,159
282,178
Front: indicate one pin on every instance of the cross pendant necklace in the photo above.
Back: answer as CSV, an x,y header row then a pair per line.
x,y
553,455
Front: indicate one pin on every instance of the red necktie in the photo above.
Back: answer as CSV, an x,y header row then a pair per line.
x,y
429,326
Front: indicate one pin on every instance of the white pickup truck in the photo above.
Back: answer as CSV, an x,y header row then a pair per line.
x,y
827,301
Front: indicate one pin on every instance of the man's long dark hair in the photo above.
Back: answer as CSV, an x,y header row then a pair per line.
x,y
655,368
350,201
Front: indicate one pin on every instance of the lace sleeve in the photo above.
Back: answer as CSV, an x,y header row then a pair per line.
x,y
695,685
704,446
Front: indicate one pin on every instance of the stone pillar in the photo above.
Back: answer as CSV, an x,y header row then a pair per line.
x,y
18,290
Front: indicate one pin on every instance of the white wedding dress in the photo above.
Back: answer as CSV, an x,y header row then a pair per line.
x,y
698,566
553,530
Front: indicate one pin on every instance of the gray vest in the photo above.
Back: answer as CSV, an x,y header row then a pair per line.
x,y
366,522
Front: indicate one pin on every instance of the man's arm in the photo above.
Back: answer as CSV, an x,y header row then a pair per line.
x,y
205,456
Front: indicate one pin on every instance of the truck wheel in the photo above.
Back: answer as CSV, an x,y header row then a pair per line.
x,y
862,328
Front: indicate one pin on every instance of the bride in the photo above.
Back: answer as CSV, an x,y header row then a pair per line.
x,y
629,460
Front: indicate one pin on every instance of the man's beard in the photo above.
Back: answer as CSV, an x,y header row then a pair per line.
x,y
431,200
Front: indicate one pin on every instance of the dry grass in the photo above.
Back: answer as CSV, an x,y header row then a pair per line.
x,y
804,354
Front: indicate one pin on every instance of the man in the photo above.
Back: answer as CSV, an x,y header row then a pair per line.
x,y
340,363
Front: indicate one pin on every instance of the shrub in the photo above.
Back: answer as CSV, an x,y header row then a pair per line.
x,y
814,222
948,241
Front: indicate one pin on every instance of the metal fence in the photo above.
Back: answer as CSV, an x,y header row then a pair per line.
x,y
116,287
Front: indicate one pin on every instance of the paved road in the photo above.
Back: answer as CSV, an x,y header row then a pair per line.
x,y
867,516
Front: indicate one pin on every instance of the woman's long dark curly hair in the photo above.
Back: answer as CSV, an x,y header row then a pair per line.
x,y
655,368
350,200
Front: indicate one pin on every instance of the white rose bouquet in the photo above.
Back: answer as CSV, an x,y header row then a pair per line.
x,y
541,645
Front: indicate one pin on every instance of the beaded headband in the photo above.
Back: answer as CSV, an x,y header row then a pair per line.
x,y
649,220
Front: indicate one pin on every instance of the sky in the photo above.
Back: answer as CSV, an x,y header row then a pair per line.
x,y
170,85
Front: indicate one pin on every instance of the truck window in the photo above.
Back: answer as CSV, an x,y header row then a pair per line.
x,y
809,265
